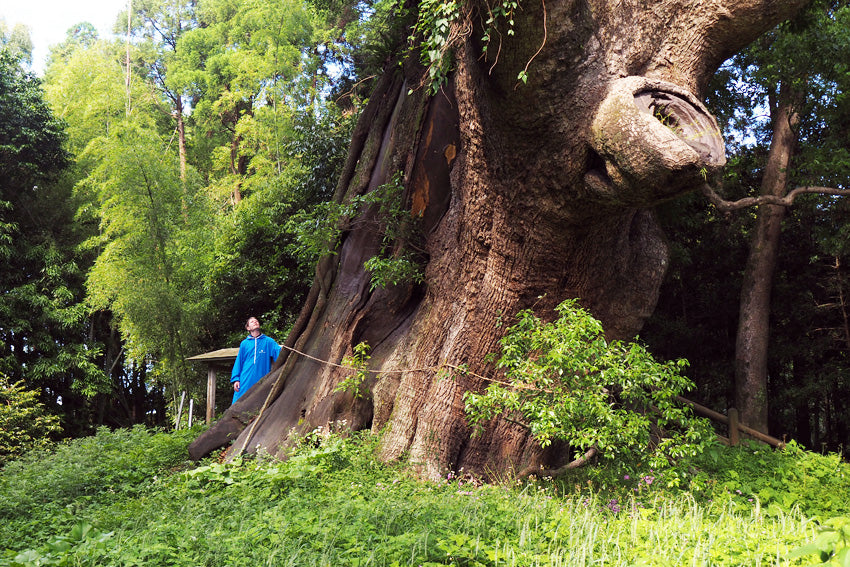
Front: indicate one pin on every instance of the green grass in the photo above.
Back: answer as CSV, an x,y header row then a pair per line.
x,y
129,498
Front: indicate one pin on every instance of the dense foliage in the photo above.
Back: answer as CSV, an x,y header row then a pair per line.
x,y
567,383
146,223
44,332
24,423
125,498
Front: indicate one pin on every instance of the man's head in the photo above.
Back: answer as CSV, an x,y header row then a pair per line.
x,y
253,325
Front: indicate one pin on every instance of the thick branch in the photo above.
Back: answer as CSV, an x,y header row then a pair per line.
x,y
578,462
727,206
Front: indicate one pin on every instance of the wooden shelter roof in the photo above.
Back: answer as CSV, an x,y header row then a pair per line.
x,y
220,355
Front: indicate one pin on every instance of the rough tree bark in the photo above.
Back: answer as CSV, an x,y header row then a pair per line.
x,y
529,194
752,339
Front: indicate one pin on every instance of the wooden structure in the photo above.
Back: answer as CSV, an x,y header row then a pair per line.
x,y
734,425
220,360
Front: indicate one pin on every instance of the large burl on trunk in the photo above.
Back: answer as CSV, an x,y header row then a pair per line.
x,y
529,194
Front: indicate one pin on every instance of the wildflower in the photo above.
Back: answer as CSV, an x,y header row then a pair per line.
x,y
626,477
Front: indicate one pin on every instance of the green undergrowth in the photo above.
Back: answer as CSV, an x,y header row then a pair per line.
x,y
129,498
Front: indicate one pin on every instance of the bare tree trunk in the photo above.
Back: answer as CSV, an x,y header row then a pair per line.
x,y
842,302
528,194
181,137
752,341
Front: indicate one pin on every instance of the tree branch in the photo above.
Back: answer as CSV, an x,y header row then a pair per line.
x,y
578,462
727,206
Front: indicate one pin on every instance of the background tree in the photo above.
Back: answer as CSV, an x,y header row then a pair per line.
x,y
44,341
168,281
157,26
85,84
787,79
16,41
150,266
796,68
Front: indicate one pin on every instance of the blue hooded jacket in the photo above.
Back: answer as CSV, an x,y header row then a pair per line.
x,y
253,362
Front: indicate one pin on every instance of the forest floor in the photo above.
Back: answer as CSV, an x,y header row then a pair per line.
x,y
129,497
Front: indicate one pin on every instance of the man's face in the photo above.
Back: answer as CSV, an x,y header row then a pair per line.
x,y
253,325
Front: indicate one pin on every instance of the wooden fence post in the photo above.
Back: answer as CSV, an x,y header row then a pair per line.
x,y
211,375
734,433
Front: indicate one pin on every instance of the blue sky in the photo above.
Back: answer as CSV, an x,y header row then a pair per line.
x,y
48,20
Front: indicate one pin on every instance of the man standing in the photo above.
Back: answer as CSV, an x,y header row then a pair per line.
x,y
256,354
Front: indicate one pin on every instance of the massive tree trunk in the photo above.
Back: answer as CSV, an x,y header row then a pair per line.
x,y
751,345
529,194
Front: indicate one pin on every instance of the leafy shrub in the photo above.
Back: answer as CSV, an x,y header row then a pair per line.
x,y
332,503
80,544
41,491
24,422
568,383
779,479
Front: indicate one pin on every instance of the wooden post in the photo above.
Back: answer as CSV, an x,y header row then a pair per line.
x,y
734,434
210,394
191,411
716,416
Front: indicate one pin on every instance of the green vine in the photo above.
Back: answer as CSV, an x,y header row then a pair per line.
x,y
318,232
442,24
359,360
438,25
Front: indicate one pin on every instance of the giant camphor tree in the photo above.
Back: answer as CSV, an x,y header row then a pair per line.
x,y
532,172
